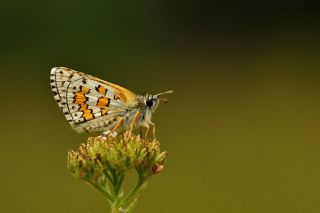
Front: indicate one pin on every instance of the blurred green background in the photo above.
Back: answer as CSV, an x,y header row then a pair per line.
x,y
241,129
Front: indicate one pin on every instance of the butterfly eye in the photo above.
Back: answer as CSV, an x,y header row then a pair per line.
x,y
149,103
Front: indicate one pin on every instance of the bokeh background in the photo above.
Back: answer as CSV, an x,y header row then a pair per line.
x,y
241,129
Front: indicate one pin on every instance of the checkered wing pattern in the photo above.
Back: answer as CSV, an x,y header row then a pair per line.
x,y
85,99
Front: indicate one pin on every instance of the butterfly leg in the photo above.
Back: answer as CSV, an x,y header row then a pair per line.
x,y
117,126
112,131
146,134
140,131
146,125
134,121
153,130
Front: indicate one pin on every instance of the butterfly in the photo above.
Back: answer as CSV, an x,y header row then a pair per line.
x,y
94,105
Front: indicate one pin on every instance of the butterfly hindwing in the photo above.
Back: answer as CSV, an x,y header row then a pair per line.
x,y
85,100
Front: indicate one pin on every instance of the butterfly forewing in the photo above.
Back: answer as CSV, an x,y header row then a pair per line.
x,y
85,99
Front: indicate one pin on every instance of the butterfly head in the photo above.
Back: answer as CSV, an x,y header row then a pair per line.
x,y
151,102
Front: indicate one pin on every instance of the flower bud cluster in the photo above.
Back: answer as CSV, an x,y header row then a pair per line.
x,y
122,153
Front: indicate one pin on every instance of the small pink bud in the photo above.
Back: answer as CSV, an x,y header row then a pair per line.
x,y
156,168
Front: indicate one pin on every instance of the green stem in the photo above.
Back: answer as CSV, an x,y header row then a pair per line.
x,y
136,189
119,183
106,173
103,191
115,209
115,179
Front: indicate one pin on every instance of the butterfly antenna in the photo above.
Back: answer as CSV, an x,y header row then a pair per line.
x,y
167,92
162,93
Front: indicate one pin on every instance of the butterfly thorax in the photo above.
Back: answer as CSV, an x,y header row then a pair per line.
x,y
147,105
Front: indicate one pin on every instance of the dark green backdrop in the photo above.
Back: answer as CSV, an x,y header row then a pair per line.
x,y
241,129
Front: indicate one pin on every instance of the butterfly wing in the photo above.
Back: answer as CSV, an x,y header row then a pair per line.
x,y
89,103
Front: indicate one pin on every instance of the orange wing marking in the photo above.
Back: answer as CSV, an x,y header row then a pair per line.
x,y
102,90
104,111
81,99
103,102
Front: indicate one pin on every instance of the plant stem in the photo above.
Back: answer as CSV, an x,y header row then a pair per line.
x,y
103,191
115,209
119,183
133,192
124,204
